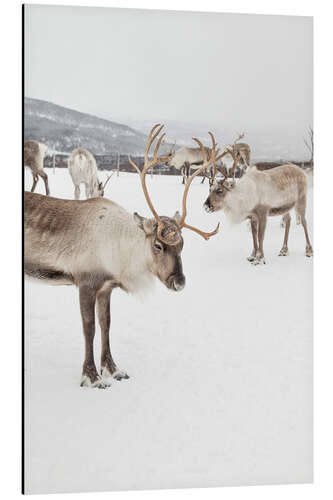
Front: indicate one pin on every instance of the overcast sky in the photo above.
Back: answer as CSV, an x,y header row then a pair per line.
x,y
237,71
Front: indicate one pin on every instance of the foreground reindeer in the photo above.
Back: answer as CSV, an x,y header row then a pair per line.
x,y
261,194
97,245
83,170
34,153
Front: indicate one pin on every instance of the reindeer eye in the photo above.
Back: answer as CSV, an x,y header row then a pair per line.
x,y
158,246
219,191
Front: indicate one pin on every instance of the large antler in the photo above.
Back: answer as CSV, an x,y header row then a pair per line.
x,y
148,164
207,161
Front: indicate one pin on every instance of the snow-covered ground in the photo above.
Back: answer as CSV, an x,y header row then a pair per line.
x,y
221,373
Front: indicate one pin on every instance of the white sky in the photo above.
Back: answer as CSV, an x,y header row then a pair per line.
x,y
243,71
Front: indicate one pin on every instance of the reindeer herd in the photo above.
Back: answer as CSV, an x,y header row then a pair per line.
x,y
98,246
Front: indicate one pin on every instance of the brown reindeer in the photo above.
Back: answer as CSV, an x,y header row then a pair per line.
x,y
34,153
97,245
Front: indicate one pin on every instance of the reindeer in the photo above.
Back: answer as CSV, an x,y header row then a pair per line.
x,y
34,153
258,195
241,152
186,158
98,246
83,169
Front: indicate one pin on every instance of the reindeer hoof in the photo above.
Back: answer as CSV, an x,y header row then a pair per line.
x,y
258,261
99,383
119,375
116,374
283,252
251,258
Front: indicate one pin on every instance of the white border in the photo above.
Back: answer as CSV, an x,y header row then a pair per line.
x,y
10,167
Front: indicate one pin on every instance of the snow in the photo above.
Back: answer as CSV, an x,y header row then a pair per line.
x,y
221,373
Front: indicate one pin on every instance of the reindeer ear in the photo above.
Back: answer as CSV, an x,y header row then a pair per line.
x,y
147,225
138,220
177,217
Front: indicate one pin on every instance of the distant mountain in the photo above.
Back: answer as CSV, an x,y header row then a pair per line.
x,y
64,129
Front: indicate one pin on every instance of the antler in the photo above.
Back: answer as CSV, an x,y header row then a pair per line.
x,y
147,165
107,180
207,161
230,150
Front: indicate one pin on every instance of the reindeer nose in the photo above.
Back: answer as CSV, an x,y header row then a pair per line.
x,y
207,205
176,282
179,283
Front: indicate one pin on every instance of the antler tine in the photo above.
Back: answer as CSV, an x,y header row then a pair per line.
x,y
203,149
134,165
158,146
207,161
213,140
147,165
240,136
205,235
152,137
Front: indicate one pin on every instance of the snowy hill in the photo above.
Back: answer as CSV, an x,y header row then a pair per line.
x,y
64,129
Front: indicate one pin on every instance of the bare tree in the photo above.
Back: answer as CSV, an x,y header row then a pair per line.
x,y
309,143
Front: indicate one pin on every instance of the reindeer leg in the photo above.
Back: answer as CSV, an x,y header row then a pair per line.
x,y
108,366
90,377
300,210
46,182
77,191
254,229
88,193
308,248
182,170
34,184
188,171
284,249
262,221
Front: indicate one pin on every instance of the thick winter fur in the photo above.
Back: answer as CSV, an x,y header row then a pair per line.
x,y
97,246
261,194
186,158
83,170
34,153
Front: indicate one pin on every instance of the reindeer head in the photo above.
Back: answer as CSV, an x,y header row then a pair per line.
x,y
164,233
170,156
166,263
218,190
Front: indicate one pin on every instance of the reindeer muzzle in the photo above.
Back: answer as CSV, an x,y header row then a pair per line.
x,y
207,206
176,282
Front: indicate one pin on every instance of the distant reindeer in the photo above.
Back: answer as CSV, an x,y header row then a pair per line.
x,y
83,170
258,195
241,152
34,153
97,245
186,158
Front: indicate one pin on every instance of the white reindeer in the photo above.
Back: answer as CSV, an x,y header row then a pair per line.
x,y
258,195
186,158
83,170
34,153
